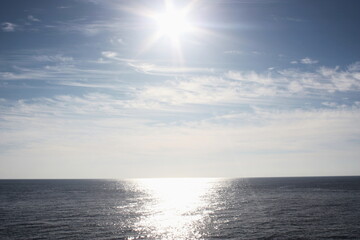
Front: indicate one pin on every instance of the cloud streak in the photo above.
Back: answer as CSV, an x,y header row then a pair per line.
x,y
8,27
308,61
185,85
33,19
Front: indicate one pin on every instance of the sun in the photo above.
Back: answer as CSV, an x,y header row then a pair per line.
x,y
173,23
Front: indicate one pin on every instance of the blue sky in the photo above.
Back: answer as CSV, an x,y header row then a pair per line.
x,y
104,89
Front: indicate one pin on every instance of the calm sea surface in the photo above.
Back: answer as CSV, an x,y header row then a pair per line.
x,y
258,208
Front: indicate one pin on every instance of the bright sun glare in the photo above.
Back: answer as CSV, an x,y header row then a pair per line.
x,y
173,23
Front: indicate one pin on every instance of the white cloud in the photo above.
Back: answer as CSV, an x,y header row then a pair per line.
x,y
355,67
53,58
53,132
234,52
308,61
117,41
206,90
285,82
109,54
328,72
184,86
8,27
58,69
32,18
195,86
250,77
95,27
324,79
154,69
257,53
63,7
295,87
330,104
245,53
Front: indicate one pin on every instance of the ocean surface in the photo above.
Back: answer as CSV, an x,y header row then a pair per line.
x,y
256,208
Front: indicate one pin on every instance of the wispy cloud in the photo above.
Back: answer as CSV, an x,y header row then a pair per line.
x,y
8,27
324,78
63,7
185,85
58,68
154,69
234,52
245,53
355,67
33,19
308,61
305,60
53,58
109,54
149,68
250,77
117,41
289,19
95,27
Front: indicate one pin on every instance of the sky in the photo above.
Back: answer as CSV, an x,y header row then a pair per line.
x,y
202,88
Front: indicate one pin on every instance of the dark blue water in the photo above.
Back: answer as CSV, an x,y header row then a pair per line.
x,y
262,208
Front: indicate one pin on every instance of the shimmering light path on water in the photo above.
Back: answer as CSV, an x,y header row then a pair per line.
x,y
263,208
177,208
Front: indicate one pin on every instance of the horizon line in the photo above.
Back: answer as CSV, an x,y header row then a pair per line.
x,y
139,178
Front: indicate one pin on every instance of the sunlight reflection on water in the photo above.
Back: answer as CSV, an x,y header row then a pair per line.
x,y
174,208
259,208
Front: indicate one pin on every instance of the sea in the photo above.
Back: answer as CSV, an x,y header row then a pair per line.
x,y
181,208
